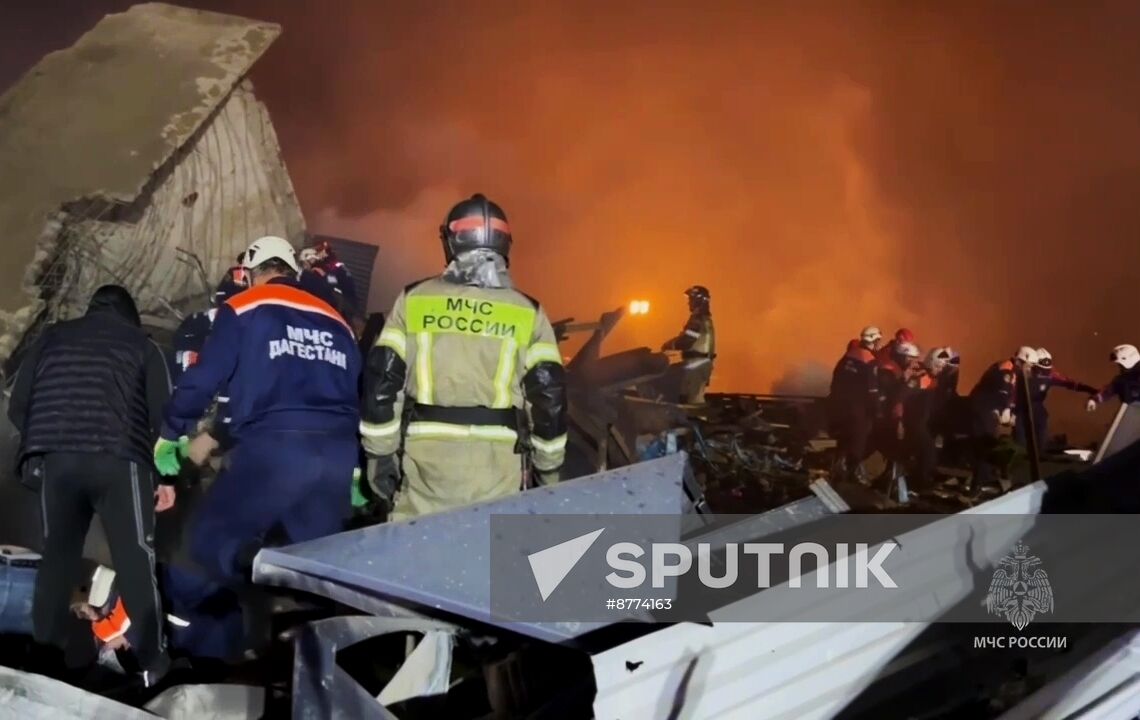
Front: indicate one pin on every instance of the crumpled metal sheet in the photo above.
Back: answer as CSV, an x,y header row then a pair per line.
x,y
426,672
442,561
209,702
322,690
25,696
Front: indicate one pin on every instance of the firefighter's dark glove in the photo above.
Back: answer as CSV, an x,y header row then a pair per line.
x,y
384,477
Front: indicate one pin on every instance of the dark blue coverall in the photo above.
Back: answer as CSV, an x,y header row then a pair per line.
x,y
331,281
291,365
1041,381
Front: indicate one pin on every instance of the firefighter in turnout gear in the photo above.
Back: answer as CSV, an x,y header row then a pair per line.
x,y
697,344
1042,378
460,357
854,400
992,404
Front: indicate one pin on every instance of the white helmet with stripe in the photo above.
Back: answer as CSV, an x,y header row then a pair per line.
x,y
271,247
937,359
907,350
1027,355
1126,356
870,335
1044,358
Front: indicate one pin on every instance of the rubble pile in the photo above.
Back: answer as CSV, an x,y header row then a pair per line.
x,y
157,189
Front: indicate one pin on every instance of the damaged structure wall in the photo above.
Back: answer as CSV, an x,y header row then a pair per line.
x,y
140,141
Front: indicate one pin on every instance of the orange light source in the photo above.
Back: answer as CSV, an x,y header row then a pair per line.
x,y
639,307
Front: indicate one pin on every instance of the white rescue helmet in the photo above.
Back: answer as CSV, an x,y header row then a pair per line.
x,y
953,358
270,247
870,335
907,350
937,359
1044,358
1126,356
1026,355
309,256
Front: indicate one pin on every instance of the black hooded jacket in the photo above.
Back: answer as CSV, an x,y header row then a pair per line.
x,y
96,384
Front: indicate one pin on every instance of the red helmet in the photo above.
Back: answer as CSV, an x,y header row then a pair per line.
x,y
904,336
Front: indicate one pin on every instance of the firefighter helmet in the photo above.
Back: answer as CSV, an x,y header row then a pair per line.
x,y
870,335
1044,358
907,350
902,335
1026,355
938,359
476,223
270,247
1126,356
698,292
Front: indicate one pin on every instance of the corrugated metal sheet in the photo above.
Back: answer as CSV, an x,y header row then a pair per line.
x,y
773,671
359,258
805,671
1106,686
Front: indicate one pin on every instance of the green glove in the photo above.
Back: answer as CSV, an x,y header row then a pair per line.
x,y
358,499
168,455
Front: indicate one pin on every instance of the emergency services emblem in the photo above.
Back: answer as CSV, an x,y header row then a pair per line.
x,y
1020,588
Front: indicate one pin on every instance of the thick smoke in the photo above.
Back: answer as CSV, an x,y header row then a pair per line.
x,y
970,171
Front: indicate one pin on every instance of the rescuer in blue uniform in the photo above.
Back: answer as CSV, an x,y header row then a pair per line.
x,y
1042,378
292,368
1126,384
190,338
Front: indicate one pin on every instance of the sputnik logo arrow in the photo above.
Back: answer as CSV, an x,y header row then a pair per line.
x,y
552,565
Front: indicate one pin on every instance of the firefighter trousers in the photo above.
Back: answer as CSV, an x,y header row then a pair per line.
x,y
77,485
443,473
296,484
852,426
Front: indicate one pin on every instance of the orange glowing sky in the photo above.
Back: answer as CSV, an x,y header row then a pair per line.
x,y
970,170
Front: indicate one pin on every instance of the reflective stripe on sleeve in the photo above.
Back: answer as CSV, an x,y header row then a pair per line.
x,y
549,447
387,429
395,339
508,352
542,352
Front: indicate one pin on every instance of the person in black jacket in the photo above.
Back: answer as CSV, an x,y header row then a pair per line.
x,y
88,405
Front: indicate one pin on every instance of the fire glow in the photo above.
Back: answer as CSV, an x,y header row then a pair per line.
x,y
639,307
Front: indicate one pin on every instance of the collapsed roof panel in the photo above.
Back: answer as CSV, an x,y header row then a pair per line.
x,y
103,185
441,561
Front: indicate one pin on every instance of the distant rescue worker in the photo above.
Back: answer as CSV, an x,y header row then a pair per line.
x,y
853,400
461,359
1042,378
320,266
290,365
697,344
190,337
992,404
88,405
888,351
1126,385
234,281
894,376
921,401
